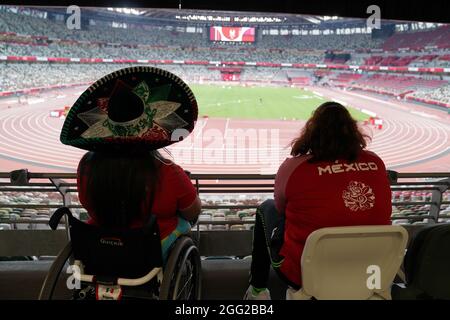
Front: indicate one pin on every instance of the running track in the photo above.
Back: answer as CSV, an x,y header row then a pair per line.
x,y
413,137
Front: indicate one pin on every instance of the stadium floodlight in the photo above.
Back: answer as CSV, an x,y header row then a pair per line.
x,y
312,19
325,18
127,11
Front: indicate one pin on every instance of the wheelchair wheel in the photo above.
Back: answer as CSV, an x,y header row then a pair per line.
x,y
48,287
182,274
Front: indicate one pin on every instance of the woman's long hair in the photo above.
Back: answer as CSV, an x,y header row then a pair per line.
x,y
118,187
330,134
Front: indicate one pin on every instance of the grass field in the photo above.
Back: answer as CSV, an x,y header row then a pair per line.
x,y
259,102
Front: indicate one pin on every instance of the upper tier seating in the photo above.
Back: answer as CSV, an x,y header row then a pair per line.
x,y
399,84
419,39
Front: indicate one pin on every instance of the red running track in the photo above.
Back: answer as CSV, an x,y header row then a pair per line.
x,y
413,137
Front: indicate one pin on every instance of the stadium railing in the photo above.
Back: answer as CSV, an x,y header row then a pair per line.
x,y
27,235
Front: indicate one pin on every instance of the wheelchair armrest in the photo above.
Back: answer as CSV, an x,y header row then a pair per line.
x,y
122,281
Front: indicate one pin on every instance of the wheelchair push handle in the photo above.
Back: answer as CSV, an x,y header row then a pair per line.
x,y
119,281
57,215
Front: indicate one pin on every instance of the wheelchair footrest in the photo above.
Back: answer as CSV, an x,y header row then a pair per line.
x,y
98,291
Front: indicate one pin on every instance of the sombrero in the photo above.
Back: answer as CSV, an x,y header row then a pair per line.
x,y
132,108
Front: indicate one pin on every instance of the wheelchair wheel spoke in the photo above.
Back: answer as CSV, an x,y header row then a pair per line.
x,y
182,274
188,281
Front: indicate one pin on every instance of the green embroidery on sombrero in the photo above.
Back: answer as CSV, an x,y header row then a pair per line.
x,y
157,110
142,91
132,129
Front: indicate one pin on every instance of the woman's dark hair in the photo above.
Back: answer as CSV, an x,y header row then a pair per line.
x,y
116,187
330,134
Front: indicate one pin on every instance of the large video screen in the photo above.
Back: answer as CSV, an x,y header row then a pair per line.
x,y
232,34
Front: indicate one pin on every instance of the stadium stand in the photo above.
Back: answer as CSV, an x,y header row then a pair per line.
x,y
32,75
336,42
441,94
389,60
345,78
420,39
264,75
397,85
56,57
165,52
417,60
44,54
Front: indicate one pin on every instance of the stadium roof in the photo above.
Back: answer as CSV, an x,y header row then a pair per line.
x,y
423,11
208,17
194,17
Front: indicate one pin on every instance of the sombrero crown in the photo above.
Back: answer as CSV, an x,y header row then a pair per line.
x,y
136,107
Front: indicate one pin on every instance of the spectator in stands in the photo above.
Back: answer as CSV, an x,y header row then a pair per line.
x,y
123,179
330,180
440,95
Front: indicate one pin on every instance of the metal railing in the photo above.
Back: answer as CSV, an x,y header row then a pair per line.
x,y
63,185
209,184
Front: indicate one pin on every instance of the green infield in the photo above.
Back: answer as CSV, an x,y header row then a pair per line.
x,y
259,102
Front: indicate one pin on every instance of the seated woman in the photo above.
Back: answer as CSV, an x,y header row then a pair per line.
x,y
122,120
330,181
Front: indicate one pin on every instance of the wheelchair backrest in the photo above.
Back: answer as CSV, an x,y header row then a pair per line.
x,y
128,253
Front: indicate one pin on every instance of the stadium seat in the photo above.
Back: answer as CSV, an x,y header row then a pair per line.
x,y
427,265
343,263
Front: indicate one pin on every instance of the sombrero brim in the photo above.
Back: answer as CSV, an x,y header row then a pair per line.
x,y
162,108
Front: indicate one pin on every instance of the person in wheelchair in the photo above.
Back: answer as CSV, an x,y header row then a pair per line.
x,y
123,181
330,181
121,190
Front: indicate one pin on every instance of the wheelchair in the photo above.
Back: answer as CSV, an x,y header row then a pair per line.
x,y
109,264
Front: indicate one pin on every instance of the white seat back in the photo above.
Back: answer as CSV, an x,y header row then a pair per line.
x,y
5,226
358,262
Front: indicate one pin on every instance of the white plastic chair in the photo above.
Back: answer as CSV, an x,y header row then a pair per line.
x,y
351,263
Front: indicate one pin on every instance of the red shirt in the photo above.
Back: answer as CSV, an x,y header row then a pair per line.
x,y
174,192
328,194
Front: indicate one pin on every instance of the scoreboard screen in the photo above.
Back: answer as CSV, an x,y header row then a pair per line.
x,y
232,34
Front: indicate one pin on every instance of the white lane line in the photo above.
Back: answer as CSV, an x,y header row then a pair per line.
x,y
423,114
397,133
203,125
401,138
423,155
225,132
30,143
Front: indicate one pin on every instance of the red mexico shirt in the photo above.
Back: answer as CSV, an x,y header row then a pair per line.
x,y
174,192
328,194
